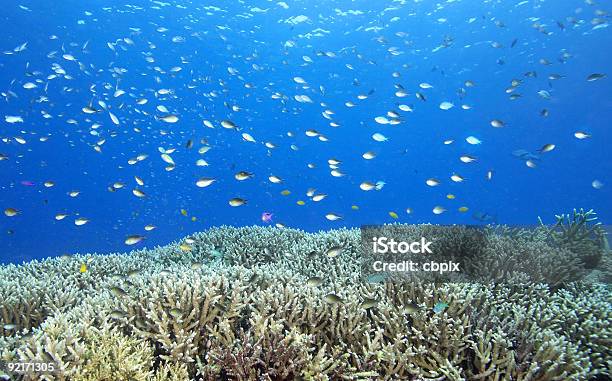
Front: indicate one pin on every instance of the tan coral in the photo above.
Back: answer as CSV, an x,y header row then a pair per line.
x,y
248,312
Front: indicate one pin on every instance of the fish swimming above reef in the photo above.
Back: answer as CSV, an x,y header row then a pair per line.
x,y
484,217
11,212
118,291
314,281
525,155
368,303
134,239
333,299
411,308
266,217
439,307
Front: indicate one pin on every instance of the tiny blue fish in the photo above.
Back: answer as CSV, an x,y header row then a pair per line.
x,y
439,307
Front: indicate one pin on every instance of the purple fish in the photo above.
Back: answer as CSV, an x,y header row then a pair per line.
x,y
27,183
266,217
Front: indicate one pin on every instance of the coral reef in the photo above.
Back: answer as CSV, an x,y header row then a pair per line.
x,y
243,304
580,233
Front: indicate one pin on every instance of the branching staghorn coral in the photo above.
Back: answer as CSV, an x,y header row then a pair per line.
x,y
110,355
504,257
581,233
251,314
266,352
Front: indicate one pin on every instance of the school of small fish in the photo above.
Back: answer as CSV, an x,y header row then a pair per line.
x,y
275,100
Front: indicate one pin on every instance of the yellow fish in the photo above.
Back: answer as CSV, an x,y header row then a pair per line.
x,y
286,192
450,196
11,212
463,209
194,219
354,207
393,215
185,247
184,212
300,202
83,268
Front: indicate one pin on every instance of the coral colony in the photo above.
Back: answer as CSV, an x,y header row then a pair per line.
x,y
262,303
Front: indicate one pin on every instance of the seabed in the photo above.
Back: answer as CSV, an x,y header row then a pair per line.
x,y
263,303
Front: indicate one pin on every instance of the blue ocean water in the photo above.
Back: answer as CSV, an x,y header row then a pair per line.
x,y
216,56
